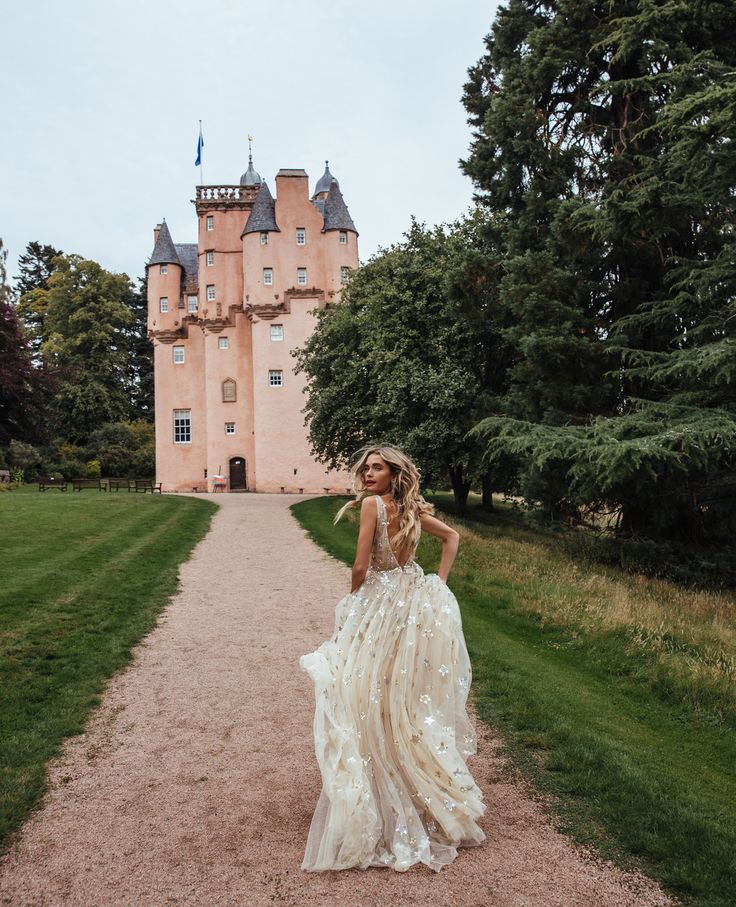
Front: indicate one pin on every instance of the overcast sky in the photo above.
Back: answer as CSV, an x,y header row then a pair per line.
x,y
102,102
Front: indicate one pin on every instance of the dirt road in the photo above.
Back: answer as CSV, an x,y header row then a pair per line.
x,y
196,779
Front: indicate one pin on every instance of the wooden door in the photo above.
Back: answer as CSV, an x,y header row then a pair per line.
x,y
237,473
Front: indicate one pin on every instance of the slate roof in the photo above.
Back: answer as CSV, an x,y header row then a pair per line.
x,y
325,181
164,252
188,256
336,214
263,214
250,177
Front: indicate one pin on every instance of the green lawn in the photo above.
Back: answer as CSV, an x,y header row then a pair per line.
x,y
616,694
82,580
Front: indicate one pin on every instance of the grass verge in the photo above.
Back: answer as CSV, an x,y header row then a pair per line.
x,y
614,693
83,579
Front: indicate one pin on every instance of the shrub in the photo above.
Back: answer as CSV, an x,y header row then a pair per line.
x,y
94,469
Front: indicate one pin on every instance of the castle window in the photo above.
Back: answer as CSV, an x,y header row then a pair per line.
x,y
178,355
229,428
343,238
192,303
182,426
163,304
229,391
344,274
210,222
223,343
301,276
210,291
275,377
268,276
210,257
301,236
264,239
277,332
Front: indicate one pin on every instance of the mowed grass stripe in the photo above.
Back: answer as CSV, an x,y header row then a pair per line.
x,y
638,758
70,590
83,625
78,560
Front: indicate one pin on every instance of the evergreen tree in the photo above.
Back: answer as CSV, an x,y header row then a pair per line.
x,y
603,154
140,364
36,265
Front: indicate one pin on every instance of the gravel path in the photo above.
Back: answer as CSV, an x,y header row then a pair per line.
x,y
196,779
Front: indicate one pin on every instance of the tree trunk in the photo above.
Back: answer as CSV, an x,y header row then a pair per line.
x,y
487,499
460,489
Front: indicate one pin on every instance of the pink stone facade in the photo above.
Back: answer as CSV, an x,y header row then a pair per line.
x,y
223,316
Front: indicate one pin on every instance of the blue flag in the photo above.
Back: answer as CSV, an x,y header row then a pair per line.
x,y
200,146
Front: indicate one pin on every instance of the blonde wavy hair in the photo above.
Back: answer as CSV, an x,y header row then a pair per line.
x,y
410,504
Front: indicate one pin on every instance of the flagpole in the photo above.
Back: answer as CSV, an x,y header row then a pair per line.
x,y
201,165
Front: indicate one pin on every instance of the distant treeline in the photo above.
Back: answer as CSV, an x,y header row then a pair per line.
x,y
76,378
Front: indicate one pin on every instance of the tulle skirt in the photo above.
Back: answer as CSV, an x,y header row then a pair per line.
x,y
391,733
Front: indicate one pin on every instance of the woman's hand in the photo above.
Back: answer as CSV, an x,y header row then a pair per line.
x,y
450,541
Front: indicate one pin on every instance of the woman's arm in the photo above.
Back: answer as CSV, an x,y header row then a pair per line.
x,y
368,519
450,542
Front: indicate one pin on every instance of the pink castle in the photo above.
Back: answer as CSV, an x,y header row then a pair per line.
x,y
223,315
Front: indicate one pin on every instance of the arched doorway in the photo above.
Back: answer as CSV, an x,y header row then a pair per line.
x,y
237,474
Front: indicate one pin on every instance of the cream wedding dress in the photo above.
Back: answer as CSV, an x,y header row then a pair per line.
x,y
391,733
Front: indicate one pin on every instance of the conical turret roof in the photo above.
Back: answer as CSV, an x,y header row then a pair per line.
x,y
263,214
336,214
164,252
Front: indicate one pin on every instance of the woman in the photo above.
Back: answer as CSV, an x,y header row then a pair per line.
x,y
390,728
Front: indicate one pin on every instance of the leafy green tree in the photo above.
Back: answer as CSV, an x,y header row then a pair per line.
x,y
602,154
87,317
397,361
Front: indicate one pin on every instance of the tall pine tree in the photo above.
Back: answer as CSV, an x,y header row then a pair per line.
x,y
603,147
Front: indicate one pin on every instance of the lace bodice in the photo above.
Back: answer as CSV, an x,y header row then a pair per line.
x,y
383,557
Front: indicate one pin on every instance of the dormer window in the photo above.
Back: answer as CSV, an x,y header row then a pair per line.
x,y
264,238
301,276
301,236
343,237
210,258
210,222
164,269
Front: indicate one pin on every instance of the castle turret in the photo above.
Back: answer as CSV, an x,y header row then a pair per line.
x,y
165,272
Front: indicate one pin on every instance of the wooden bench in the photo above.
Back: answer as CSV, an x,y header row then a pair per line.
x,y
46,482
117,484
79,484
145,485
